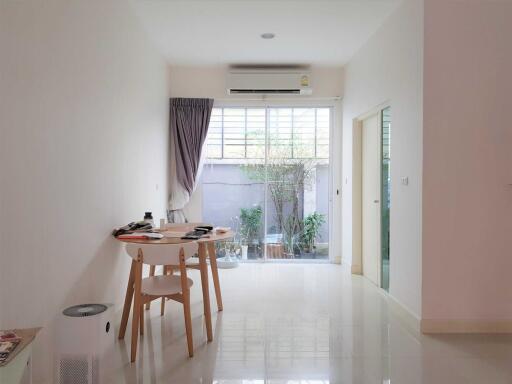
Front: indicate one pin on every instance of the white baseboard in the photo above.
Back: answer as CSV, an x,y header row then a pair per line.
x,y
405,315
465,326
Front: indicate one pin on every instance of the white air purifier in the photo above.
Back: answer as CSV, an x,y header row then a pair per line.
x,y
85,344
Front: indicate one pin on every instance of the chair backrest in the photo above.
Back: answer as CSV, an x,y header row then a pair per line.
x,y
180,227
161,254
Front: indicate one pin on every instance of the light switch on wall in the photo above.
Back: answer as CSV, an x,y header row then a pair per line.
x,y
404,180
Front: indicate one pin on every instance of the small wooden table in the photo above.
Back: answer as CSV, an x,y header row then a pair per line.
x,y
19,365
206,248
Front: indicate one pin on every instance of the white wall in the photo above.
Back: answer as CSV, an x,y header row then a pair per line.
x,y
84,133
327,82
389,69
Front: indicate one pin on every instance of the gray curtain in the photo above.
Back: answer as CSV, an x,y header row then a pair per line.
x,y
189,119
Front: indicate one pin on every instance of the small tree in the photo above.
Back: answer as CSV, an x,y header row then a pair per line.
x,y
250,224
312,225
287,179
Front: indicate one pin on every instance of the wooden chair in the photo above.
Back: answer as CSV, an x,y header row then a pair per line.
x,y
150,288
194,263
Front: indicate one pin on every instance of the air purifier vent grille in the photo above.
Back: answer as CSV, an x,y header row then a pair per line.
x,y
95,370
74,371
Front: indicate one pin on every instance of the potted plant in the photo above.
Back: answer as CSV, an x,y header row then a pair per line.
x,y
290,177
250,226
312,224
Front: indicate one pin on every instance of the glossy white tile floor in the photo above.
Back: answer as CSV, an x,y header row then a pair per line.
x,y
305,323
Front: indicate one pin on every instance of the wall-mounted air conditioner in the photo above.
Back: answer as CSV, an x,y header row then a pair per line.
x,y
272,81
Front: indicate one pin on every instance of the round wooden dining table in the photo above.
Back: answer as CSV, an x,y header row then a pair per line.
x,y
206,249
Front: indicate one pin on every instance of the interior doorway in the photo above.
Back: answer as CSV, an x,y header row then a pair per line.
x,y
372,192
370,200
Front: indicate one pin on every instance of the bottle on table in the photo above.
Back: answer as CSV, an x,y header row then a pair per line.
x,y
148,218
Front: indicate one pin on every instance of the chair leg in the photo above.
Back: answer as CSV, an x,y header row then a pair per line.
x,y
151,274
136,307
141,320
215,274
162,305
185,294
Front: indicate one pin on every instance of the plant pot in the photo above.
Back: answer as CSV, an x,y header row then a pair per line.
x,y
244,251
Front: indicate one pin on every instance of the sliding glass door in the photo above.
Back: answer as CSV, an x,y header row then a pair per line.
x,y
385,195
267,175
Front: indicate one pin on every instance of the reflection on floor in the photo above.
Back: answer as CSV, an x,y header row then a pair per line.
x,y
305,323
385,274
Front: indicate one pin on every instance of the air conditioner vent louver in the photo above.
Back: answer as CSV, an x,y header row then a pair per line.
x,y
266,91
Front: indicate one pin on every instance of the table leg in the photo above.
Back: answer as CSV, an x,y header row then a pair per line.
x,y
137,307
215,274
206,294
127,301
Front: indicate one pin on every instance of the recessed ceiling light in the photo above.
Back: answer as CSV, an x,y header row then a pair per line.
x,y
268,35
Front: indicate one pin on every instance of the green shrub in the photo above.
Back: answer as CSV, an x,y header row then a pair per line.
x,y
250,224
312,224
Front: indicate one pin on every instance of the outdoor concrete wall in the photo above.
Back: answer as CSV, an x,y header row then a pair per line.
x,y
226,189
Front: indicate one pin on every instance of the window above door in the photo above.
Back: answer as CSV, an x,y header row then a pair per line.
x,y
291,132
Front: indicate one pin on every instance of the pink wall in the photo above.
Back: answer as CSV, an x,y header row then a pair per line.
x,y
467,199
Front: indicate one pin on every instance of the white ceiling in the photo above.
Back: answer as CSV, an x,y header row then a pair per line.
x,y
220,32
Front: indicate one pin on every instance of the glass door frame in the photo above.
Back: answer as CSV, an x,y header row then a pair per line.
x,y
385,198
334,179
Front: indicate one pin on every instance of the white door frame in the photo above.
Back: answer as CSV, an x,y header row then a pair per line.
x,y
335,154
357,207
